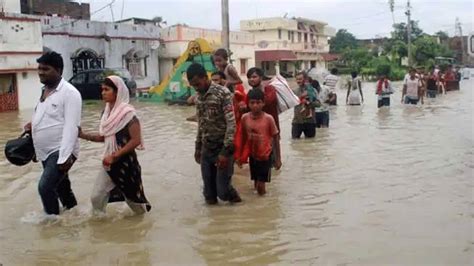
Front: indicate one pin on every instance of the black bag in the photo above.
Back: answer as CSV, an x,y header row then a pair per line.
x,y
20,151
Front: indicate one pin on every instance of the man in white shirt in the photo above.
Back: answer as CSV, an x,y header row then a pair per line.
x,y
412,89
54,128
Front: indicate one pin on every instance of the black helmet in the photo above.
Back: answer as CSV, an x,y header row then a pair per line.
x,y
20,151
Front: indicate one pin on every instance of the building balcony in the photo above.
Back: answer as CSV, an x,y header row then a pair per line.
x,y
310,47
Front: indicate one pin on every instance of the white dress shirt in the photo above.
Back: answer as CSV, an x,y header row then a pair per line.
x,y
55,123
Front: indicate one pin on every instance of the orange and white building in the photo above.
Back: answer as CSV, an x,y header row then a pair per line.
x,y
289,44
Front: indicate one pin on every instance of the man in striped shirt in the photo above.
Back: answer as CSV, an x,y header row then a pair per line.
x,y
331,81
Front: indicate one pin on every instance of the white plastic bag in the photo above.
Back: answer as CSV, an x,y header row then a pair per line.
x,y
286,97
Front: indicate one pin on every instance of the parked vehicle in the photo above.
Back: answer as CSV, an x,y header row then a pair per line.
x,y
88,82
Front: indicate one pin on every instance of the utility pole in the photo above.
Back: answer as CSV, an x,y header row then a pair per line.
x,y
458,32
225,24
408,13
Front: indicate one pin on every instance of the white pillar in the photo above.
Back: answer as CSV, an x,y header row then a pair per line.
x,y
277,67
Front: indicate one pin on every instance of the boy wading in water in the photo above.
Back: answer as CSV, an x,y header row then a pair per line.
x,y
215,136
260,133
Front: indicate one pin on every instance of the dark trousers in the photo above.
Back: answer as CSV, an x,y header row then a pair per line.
x,y
55,184
322,119
309,130
385,101
431,93
411,101
217,182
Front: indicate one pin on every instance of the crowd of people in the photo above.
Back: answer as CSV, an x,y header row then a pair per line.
x,y
234,127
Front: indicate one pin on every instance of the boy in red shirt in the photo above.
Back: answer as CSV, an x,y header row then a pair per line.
x,y
260,133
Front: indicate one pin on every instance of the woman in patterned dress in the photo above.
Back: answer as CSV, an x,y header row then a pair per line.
x,y
120,178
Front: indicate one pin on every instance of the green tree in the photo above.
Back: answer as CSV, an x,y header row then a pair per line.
x,y
157,19
426,48
400,31
342,41
357,58
397,50
442,35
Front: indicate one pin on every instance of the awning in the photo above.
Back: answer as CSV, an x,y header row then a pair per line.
x,y
275,55
330,57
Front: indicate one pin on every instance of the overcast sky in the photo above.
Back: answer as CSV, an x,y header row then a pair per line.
x,y
364,18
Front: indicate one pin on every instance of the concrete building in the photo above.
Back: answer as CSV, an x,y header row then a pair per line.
x,y
175,41
289,44
20,45
62,8
138,21
88,44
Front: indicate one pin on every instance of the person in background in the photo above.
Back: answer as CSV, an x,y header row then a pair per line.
x,y
332,81
260,134
322,111
383,91
54,128
304,118
354,91
412,89
221,61
240,106
218,77
255,76
431,88
214,149
120,177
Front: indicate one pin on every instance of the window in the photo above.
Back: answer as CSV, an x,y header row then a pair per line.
x,y
136,64
279,34
243,66
299,36
289,35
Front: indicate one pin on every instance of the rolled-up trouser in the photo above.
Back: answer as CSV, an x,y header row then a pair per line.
x,y
101,192
217,181
55,184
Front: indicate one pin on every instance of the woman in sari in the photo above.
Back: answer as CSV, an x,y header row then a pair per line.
x,y
120,178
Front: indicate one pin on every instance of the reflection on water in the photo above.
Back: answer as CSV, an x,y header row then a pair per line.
x,y
379,186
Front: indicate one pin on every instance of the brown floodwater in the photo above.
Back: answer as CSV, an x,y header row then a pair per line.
x,y
389,186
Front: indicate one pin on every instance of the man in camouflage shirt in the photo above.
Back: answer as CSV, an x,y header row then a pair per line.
x,y
215,137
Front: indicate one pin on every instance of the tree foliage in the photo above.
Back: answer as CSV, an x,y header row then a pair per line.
x,y
400,31
442,35
426,48
368,62
342,41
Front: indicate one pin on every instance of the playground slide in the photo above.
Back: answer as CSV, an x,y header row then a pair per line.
x,y
175,87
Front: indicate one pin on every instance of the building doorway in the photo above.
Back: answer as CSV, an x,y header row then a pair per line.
x,y
85,59
8,92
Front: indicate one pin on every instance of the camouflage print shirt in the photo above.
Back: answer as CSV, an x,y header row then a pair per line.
x,y
216,121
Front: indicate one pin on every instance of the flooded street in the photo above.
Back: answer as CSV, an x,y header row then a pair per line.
x,y
390,186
